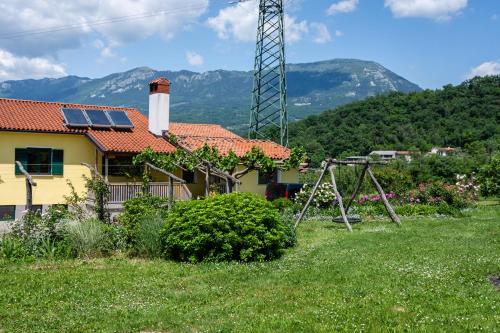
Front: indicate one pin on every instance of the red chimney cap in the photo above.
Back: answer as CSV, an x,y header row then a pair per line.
x,y
159,85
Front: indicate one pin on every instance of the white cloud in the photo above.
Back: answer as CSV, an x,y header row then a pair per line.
x,y
485,69
344,6
194,59
339,33
294,30
15,68
322,34
434,9
163,17
239,22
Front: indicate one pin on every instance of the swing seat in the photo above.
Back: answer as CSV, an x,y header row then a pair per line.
x,y
351,219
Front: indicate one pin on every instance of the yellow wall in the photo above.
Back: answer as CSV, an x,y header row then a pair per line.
x,y
250,181
49,189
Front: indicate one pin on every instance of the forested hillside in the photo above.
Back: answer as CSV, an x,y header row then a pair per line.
x,y
456,116
221,97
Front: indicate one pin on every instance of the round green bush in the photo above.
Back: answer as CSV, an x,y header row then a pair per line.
x,y
237,226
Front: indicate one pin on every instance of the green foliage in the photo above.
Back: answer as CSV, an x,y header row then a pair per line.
x,y
395,178
115,238
12,248
85,238
453,116
283,203
100,189
137,209
255,159
323,198
438,267
489,177
148,243
416,210
238,226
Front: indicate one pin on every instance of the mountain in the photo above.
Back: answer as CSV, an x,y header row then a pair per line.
x,y
220,96
466,115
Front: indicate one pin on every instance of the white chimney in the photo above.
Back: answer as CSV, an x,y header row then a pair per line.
x,y
159,106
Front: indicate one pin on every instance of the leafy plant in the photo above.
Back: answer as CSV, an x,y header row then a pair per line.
x,y
323,198
84,237
100,189
115,238
489,177
137,209
237,226
283,203
148,242
12,248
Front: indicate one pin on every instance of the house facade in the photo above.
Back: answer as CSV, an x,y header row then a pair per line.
x,y
60,143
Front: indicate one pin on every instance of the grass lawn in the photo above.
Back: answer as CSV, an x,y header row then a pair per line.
x,y
430,275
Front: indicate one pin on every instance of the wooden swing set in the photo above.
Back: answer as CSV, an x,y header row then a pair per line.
x,y
328,166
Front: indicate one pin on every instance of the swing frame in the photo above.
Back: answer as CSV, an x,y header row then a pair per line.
x,y
328,165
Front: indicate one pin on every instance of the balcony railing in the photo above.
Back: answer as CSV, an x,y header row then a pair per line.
x,y
121,192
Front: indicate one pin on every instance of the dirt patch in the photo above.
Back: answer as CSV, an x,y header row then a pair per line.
x,y
495,281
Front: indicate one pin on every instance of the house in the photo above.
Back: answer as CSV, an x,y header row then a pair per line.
x,y
387,155
446,151
60,142
384,155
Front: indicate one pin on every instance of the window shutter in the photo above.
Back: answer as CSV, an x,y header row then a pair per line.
x,y
21,155
57,162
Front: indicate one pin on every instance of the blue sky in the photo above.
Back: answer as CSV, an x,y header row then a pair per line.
x,y
429,42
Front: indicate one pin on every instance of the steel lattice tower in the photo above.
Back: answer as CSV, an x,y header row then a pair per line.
x,y
268,115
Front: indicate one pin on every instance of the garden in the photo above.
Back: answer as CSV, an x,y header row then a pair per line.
x,y
235,262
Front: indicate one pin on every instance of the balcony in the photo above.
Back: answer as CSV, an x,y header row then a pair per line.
x,y
121,192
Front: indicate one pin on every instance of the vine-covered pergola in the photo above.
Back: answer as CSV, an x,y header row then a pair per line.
x,y
209,161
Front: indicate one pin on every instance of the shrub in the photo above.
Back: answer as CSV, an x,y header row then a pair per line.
x,y
148,243
136,209
12,248
323,198
115,238
84,237
416,210
237,226
394,177
489,177
283,203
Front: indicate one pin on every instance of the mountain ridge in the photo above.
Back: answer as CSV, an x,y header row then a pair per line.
x,y
220,96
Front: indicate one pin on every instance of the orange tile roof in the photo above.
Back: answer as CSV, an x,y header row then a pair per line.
x,y
195,136
35,116
200,130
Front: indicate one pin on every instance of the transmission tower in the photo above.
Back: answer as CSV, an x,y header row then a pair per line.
x,y
268,114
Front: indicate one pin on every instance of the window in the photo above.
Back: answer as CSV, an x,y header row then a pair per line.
x,y
120,166
7,213
189,176
40,161
38,209
266,178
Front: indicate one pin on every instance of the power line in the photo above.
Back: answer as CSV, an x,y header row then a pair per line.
x,y
27,33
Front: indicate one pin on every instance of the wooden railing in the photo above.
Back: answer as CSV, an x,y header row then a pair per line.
x,y
121,192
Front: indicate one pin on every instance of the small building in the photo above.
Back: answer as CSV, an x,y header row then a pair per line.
x,y
56,143
384,155
443,151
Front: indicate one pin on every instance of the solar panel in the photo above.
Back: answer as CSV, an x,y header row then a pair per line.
x,y
120,119
98,118
75,117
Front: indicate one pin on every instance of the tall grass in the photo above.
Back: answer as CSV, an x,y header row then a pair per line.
x,y
148,237
84,237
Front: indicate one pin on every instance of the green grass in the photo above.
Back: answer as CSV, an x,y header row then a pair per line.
x,y
430,275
